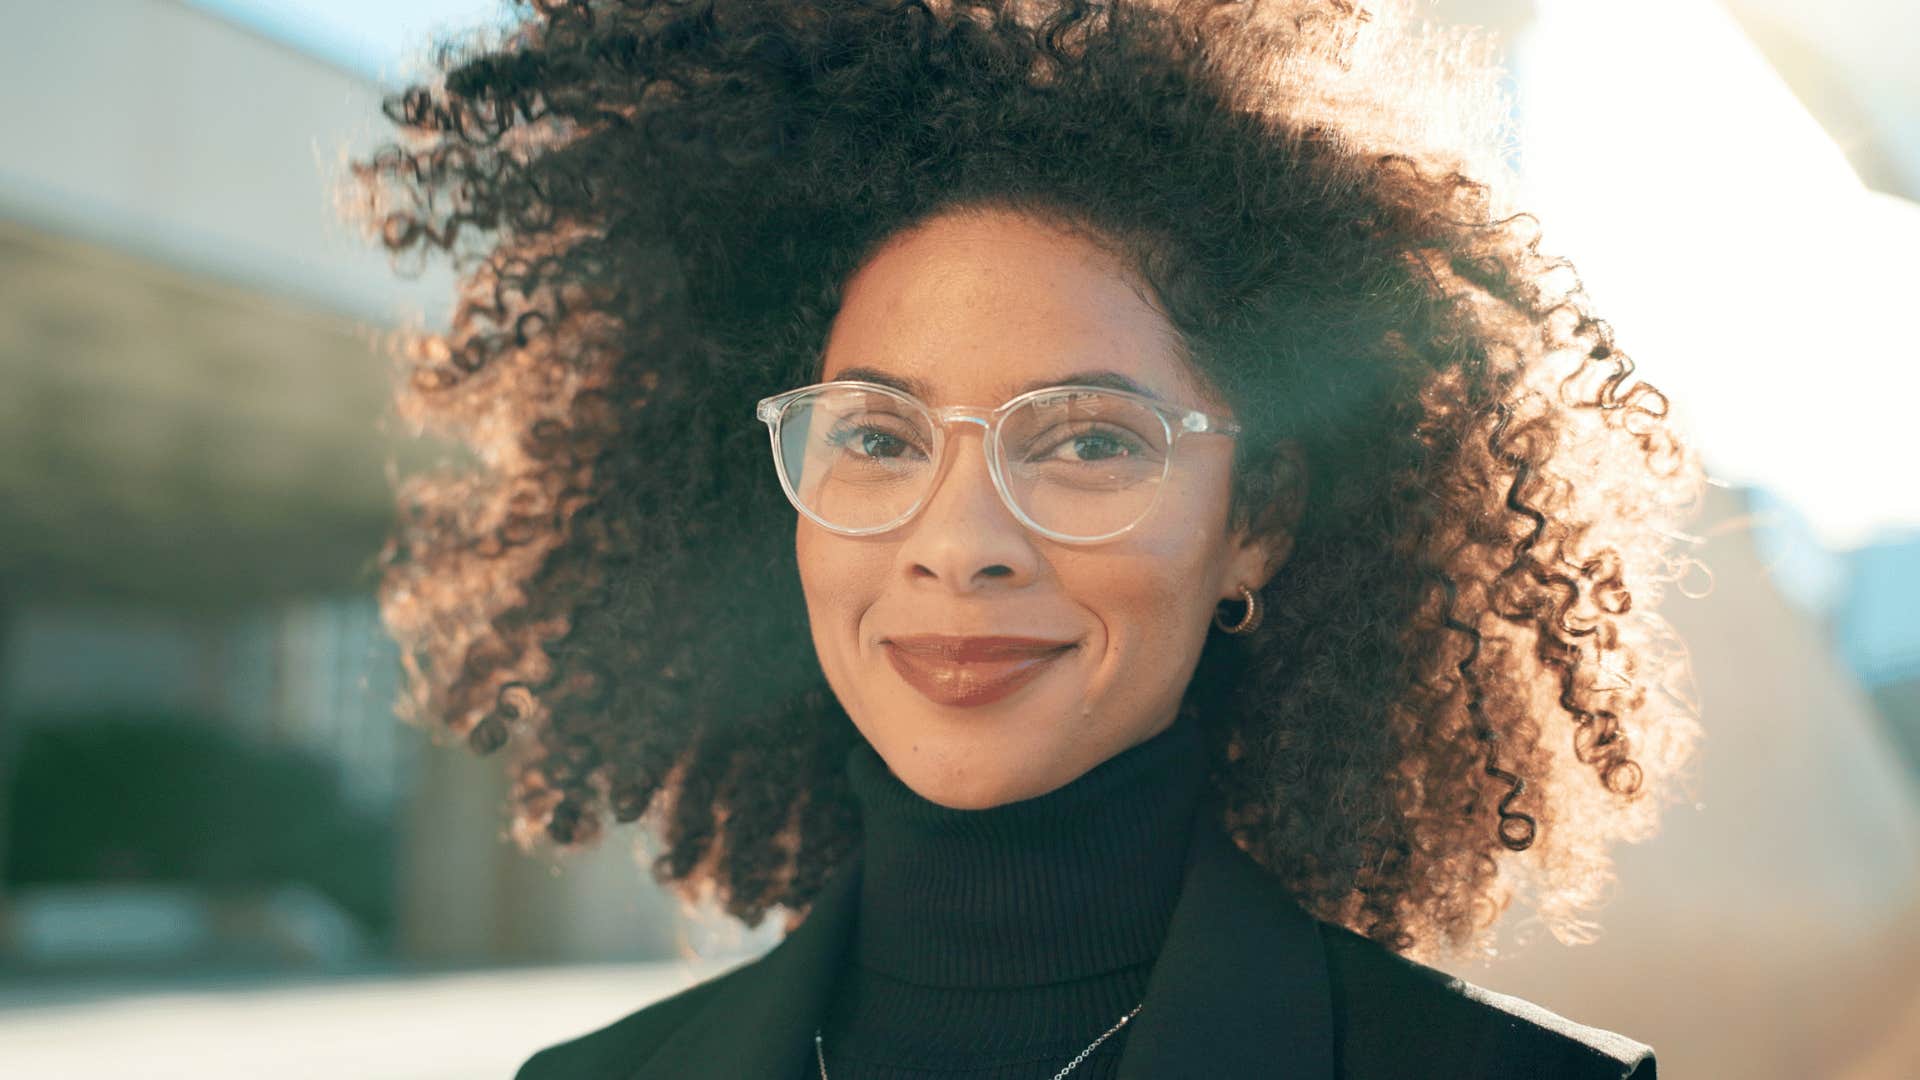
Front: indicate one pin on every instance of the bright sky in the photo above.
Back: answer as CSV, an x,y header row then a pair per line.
x,y
1718,228
375,37
1742,263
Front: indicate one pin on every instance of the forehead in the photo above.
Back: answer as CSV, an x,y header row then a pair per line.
x,y
974,309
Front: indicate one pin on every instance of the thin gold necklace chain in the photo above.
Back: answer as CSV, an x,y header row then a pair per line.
x,y
821,1053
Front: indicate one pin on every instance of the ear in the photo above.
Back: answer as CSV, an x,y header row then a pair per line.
x,y
1277,499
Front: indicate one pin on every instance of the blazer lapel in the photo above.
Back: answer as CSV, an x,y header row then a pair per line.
x,y
1240,989
760,1025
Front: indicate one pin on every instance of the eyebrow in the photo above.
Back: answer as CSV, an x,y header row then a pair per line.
x,y
1111,380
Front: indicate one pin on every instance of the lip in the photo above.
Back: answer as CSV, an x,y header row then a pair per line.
x,y
967,671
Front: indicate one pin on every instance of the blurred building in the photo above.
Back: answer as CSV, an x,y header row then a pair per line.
x,y
1772,927
194,444
1878,625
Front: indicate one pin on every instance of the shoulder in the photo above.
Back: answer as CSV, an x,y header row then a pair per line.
x,y
614,1050
1392,1014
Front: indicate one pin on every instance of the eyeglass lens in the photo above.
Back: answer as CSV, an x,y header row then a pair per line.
x,y
1077,463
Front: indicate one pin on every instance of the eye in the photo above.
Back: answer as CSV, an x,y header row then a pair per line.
x,y
869,440
1092,442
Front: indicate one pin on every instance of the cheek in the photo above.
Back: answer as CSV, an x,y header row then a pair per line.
x,y
817,571
1160,588
837,577
1152,593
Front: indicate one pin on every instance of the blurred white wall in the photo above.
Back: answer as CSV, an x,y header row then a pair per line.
x,y
168,133
1772,927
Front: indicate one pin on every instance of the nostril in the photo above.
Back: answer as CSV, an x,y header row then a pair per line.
x,y
997,570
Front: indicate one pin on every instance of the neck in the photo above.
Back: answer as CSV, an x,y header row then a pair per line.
x,y
1072,883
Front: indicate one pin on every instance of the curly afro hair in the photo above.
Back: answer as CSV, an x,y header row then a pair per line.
x,y
1460,694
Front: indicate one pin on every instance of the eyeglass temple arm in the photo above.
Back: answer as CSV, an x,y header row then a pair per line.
x,y
1198,422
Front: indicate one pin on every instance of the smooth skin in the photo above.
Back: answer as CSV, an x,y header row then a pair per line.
x,y
975,306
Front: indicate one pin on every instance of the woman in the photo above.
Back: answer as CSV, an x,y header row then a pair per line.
x,y
1206,564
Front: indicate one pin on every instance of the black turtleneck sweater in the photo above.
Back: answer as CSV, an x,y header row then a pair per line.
x,y
996,944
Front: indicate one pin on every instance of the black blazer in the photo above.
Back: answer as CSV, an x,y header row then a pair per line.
x,y
1248,985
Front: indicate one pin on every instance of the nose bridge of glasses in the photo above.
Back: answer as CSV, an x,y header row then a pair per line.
x,y
947,415
944,418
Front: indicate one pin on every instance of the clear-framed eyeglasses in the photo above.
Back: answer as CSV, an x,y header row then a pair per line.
x,y
1077,464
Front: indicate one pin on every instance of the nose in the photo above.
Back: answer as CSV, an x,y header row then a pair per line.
x,y
965,535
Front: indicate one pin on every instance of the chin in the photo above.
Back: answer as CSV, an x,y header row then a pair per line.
x,y
976,797
955,802
959,782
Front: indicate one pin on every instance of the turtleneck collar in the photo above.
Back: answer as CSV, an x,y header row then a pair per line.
x,y
1071,883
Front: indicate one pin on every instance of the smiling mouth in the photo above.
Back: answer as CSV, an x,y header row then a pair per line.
x,y
971,671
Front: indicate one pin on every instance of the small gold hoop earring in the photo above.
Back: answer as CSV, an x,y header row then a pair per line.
x,y
1249,621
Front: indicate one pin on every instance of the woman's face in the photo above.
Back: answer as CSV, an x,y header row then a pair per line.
x,y
972,310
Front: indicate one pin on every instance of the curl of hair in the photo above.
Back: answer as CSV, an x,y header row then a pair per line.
x,y
1461,688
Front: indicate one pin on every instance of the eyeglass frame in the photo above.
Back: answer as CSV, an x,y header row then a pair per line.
x,y
1178,420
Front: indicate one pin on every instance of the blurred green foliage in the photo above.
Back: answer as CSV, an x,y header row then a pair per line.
x,y
161,797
